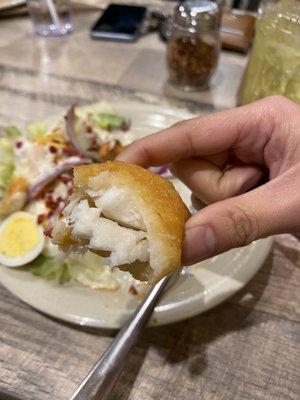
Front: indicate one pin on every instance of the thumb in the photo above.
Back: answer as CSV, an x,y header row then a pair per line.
x,y
271,209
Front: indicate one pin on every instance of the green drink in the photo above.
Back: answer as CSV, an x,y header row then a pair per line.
x,y
274,66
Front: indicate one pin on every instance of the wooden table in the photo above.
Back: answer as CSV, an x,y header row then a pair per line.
x,y
247,348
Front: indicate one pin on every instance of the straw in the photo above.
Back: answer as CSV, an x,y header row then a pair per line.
x,y
53,13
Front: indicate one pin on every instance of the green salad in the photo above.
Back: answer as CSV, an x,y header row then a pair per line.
x,y
36,180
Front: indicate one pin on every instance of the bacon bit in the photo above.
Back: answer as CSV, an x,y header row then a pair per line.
x,y
93,148
88,129
52,149
71,191
51,213
65,179
41,218
48,231
19,144
133,290
51,203
70,151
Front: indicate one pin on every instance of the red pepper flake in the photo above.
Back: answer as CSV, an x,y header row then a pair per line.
x,y
133,290
41,218
52,149
19,144
48,231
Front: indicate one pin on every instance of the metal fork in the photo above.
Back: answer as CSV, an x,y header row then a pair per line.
x,y
102,378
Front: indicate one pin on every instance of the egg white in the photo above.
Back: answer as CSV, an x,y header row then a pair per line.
x,y
29,256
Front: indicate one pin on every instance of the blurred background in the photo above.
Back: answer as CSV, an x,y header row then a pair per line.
x,y
181,54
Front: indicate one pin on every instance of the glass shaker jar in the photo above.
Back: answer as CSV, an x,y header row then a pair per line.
x,y
194,44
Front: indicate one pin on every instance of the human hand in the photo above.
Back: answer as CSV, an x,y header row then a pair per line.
x,y
221,158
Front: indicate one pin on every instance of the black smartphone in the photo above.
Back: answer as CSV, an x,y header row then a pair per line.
x,y
119,22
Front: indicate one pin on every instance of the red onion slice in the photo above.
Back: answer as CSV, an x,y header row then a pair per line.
x,y
70,121
162,171
37,187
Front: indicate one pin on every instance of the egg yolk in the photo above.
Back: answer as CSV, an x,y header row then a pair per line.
x,y
19,237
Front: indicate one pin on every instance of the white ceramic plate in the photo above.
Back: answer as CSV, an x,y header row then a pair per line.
x,y
195,290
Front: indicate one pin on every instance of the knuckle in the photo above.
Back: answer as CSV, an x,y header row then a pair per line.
x,y
224,190
275,99
244,225
277,102
178,124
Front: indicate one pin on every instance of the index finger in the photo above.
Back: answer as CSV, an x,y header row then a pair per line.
x,y
212,134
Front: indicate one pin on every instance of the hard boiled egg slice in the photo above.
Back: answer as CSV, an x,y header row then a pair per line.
x,y
21,239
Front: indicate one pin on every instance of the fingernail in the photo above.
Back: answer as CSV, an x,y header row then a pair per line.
x,y
199,243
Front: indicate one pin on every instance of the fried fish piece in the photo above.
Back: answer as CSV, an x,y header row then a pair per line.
x,y
129,215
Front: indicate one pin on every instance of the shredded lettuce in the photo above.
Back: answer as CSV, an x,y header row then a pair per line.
x,y
102,116
12,132
107,122
86,272
7,156
6,162
47,268
102,107
36,129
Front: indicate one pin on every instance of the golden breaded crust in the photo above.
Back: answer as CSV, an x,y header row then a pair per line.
x,y
162,208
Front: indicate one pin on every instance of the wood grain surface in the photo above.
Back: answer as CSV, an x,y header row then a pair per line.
x,y
247,348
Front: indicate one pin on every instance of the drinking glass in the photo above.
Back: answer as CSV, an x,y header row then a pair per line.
x,y
50,17
274,65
